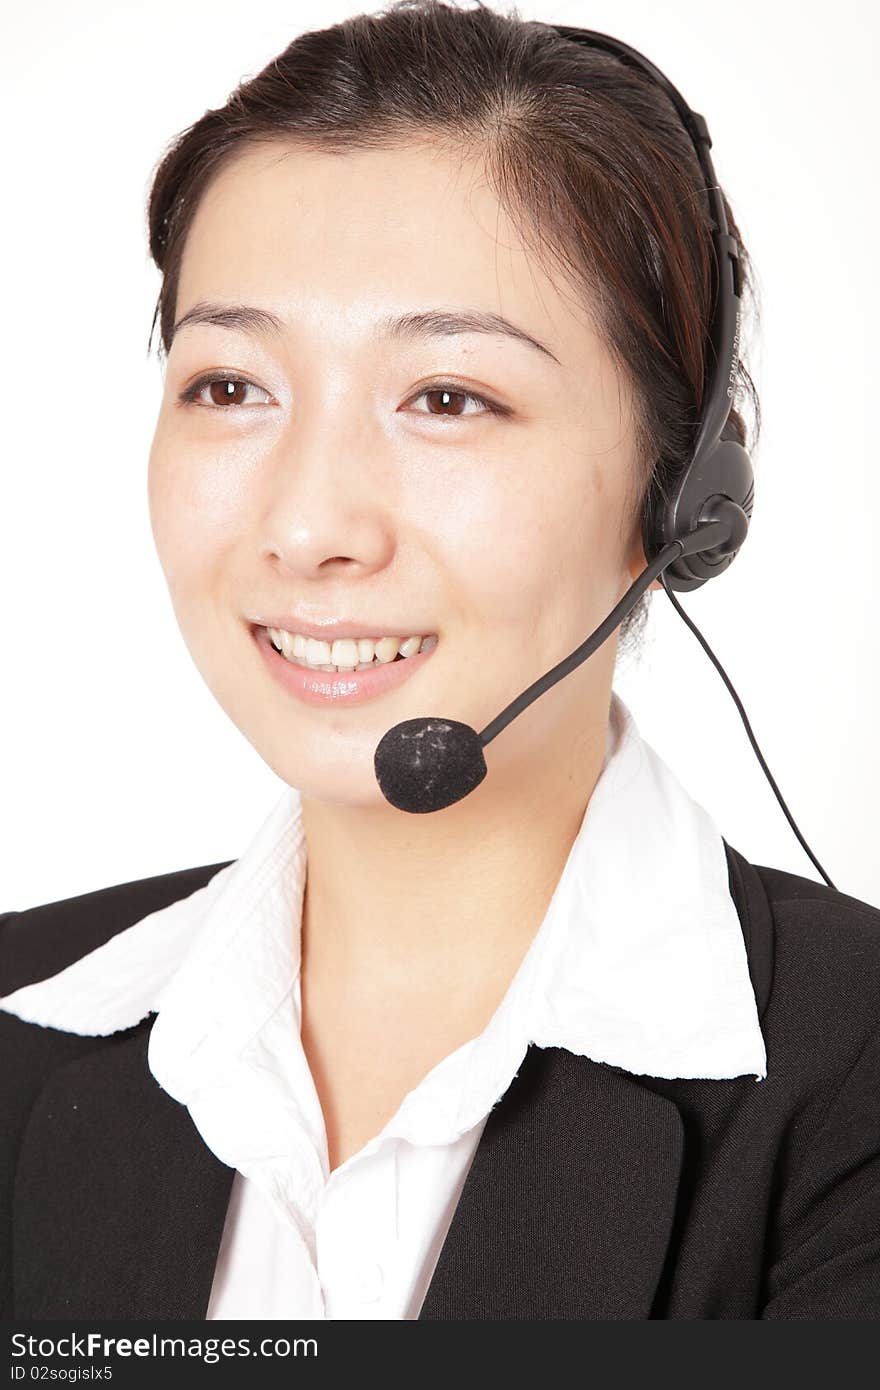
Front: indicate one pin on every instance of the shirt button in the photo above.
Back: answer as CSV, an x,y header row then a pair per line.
x,y
369,1283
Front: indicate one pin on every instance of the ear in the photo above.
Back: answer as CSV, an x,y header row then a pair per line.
x,y
638,561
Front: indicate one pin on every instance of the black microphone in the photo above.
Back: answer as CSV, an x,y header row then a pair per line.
x,y
429,763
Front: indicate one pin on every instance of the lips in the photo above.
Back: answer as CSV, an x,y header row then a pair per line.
x,y
322,688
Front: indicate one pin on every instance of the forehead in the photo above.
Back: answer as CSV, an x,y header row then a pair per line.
x,y
308,231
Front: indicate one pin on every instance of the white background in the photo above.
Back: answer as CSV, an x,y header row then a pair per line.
x,y
117,762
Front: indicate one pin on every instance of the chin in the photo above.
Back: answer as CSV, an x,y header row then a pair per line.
x,y
338,781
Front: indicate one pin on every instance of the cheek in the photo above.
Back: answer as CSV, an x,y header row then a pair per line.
x,y
525,549
194,512
482,527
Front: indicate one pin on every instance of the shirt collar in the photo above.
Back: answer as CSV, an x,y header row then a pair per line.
x,y
639,961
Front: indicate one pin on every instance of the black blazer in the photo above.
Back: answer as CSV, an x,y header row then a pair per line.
x,y
593,1194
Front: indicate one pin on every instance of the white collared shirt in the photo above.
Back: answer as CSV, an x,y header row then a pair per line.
x,y
639,962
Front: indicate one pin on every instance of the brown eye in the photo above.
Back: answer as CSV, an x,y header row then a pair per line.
x,y
226,392
447,402
450,402
222,392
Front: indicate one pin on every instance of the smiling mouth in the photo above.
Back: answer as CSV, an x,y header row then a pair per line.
x,y
318,686
346,655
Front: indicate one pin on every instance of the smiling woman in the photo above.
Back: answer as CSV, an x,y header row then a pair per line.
x,y
435,313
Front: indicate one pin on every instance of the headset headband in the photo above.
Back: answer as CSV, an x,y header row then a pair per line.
x,y
727,274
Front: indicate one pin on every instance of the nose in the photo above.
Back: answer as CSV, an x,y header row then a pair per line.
x,y
329,495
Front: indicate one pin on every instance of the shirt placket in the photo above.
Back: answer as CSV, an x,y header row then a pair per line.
x,y
356,1235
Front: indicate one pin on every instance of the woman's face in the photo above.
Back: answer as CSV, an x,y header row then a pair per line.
x,y
342,483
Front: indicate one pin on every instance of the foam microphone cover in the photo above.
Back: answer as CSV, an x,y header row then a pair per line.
x,y
426,764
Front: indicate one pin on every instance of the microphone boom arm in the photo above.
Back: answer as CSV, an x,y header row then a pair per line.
x,y
703,537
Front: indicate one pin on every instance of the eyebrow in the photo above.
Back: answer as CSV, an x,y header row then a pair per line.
x,y
431,323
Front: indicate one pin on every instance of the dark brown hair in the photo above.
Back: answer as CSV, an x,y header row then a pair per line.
x,y
587,156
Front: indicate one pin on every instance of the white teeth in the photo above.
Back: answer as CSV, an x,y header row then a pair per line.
x,y
344,653
387,648
347,653
316,653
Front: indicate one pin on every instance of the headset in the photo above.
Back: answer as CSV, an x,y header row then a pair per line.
x,y
428,763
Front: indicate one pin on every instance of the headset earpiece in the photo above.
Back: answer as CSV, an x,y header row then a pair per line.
x,y
721,487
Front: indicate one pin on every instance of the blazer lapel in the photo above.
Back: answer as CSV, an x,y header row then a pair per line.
x,y
567,1209
119,1204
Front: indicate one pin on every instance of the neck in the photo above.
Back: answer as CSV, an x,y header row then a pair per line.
x,y
452,897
